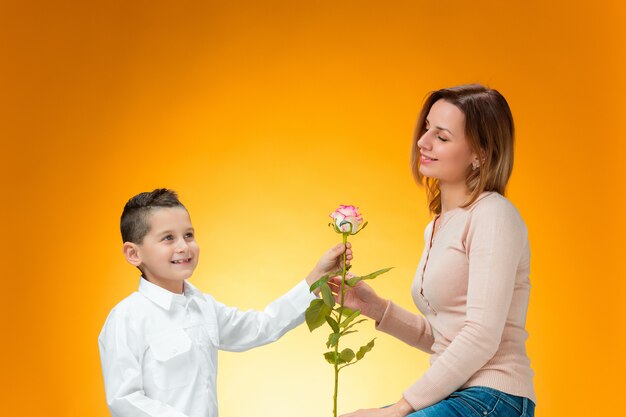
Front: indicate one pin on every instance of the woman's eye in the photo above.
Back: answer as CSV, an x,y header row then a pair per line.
x,y
442,139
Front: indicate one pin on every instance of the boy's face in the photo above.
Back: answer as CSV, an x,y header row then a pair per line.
x,y
169,252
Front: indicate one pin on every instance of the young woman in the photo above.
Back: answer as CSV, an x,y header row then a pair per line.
x,y
471,284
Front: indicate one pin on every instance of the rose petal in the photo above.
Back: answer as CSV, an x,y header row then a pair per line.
x,y
348,210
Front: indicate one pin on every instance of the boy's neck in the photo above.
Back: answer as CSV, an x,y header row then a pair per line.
x,y
176,287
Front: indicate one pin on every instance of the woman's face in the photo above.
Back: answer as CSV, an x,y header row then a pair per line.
x,y
444,151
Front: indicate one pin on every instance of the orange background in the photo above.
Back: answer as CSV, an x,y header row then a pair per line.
x,y
266,115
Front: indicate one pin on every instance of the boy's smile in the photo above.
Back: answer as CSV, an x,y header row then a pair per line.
x,y
169,252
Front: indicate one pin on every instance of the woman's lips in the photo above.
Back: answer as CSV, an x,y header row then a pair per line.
x,y
426,160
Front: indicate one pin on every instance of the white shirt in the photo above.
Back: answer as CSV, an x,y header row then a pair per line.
x,y
159,349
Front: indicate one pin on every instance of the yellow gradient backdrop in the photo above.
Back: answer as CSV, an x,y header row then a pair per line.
x,y
264,115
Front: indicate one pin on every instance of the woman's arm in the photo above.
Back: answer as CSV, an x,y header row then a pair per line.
x,y
411,328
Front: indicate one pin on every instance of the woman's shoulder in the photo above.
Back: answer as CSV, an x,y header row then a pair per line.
x,y
493,205
491,200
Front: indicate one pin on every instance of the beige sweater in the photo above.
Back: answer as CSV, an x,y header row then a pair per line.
x,y
472,287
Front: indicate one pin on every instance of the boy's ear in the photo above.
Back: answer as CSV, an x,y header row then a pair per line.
x,y
131,253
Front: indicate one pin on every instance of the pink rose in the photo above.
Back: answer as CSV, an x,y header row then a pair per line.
x,y
347,219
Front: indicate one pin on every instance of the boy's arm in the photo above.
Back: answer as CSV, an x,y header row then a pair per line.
x,y
119,354
243,330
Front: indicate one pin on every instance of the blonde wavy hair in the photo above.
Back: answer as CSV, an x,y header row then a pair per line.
x,y
489,131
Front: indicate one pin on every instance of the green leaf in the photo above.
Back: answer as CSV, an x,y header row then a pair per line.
x,y
364,349
345,311
333,338
354,280
345,333
354,324
321,281
333,358
347,355
316,314
333,323
351,317
327,295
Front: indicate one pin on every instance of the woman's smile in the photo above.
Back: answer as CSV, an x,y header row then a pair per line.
x,y
426,160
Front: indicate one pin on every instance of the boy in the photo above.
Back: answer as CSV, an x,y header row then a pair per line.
x,y
159,345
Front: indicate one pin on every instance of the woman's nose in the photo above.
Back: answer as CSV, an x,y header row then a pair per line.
x,y
424,142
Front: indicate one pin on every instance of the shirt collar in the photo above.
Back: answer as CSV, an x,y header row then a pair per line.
x,y
191,290
164,298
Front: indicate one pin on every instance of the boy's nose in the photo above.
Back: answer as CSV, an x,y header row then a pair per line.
x,y
182,246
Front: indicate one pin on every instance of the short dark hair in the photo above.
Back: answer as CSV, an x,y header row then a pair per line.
x,y
134,224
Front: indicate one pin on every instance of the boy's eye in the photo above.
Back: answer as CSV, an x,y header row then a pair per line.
x,y
189,234
168,237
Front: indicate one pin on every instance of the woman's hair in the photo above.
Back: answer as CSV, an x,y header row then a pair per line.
x,y
489,131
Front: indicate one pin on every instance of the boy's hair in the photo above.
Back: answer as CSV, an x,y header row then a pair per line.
x,y
135,223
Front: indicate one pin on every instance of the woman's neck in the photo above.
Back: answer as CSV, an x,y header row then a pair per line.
x,y
453,196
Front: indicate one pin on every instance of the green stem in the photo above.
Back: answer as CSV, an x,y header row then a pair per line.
x,y
336,386
343,294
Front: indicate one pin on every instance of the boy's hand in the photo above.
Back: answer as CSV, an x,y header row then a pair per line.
x,y
331,261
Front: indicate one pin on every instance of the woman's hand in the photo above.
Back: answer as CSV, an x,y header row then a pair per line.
x,y
331,261
360,297
400,409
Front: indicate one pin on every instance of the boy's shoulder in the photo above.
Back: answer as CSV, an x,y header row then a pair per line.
x,y
129,309
130,304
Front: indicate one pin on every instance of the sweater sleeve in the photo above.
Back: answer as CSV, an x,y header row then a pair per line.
x,y
411,328
495,241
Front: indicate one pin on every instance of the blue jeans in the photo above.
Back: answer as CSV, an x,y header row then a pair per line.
x,y
479,402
